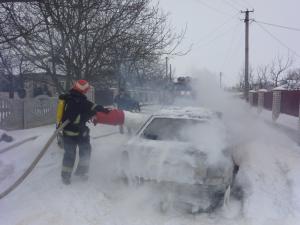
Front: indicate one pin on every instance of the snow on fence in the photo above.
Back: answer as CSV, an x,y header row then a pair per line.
x,y
27,113
278,100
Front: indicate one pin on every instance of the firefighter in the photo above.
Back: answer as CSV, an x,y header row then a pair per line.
x,y
78,110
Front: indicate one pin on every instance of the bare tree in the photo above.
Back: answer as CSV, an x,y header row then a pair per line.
x,y
88,38
13,66
9,28
292,79
278,67
262,77
241,84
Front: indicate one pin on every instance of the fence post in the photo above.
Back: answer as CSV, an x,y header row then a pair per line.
x,y
299,126
23,114
261,99
26,112
251,97
276,104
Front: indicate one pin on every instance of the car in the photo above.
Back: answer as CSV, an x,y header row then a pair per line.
x,y
183,151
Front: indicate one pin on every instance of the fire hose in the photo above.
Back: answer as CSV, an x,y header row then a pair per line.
x,y
35,162
114,117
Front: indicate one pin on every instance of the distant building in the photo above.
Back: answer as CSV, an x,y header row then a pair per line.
x,y
41,83
30,84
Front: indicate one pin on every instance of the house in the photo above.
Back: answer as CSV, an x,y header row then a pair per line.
x,y
29,84
41,83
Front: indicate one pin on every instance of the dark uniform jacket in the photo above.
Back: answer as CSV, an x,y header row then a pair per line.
x,y
78,109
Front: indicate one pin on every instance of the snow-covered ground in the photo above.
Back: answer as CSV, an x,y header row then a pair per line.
x,y
269,174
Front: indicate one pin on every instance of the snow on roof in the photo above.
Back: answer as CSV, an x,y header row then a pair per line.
x,y
280,88
262,90
187,112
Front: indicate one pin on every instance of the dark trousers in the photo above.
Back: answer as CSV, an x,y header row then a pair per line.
x,y
70,145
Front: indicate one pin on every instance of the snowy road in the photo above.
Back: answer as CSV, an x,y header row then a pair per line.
x,y
269,174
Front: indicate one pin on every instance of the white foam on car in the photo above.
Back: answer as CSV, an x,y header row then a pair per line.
x,y
134,120
187,112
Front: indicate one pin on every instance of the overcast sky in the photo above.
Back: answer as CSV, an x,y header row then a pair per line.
x,y
216,31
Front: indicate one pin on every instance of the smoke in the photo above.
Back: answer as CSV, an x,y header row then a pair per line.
x,y
210,138
236,113
265,155
243,123
255,147
209,93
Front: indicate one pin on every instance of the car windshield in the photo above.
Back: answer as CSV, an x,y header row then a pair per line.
x,y
169,128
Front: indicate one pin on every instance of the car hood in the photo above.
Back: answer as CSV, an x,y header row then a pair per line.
x,y
171,161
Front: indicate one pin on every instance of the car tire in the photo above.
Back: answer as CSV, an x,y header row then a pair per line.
x,y
236,190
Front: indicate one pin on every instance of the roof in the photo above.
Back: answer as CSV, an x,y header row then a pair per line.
x,y
187,112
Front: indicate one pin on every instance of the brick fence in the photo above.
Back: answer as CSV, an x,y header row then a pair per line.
x,y
278,101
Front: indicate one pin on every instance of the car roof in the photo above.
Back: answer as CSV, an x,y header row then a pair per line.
x,y
187,113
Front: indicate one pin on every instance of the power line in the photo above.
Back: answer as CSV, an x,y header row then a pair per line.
x,y
241,5
277,39
247,2
215,29
231,4
232,49
216,37
213,8
280,26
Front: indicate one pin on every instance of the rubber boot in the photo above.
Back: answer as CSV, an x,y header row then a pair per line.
x,y
66,178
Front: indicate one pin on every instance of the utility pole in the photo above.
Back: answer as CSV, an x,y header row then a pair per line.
x,y
170,72
221,79
167,66
246,20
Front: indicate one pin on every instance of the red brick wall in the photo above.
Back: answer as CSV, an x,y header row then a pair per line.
x,y
255,99
290,102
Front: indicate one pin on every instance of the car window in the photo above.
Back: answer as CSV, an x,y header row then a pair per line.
x,y
169,128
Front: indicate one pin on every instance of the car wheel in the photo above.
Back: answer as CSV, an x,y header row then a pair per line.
x,y
236,190
216,201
